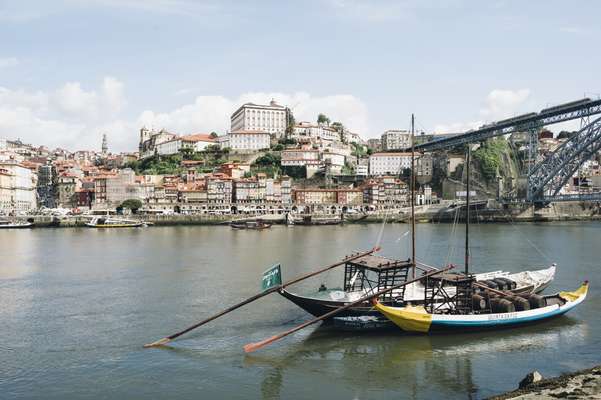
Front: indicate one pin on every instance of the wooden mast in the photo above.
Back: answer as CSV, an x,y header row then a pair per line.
x,y
413,194
467,212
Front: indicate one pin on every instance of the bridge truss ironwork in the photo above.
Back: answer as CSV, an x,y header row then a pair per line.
x,y
528,122
547,178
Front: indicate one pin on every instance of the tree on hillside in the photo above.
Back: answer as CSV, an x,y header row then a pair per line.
x,y
213,134
338,126
289,124
133,204
323,119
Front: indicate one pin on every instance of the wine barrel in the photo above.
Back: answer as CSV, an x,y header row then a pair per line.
x,y
478,302
510,284
519,303
500,305
535,300
490,284
501,284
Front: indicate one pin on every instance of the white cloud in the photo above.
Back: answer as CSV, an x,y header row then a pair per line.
x,y
8,62
457,127
69,116
502,103
499,104
75,118
212,113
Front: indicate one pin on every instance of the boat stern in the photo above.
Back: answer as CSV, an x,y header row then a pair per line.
x,y
577,295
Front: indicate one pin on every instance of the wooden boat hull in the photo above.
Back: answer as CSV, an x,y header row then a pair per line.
x,y
417,320
365,316
319,307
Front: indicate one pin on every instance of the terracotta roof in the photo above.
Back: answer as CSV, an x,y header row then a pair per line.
x,y
249,132
198,137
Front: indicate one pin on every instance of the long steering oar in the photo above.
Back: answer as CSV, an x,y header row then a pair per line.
x,y
249,348
267,291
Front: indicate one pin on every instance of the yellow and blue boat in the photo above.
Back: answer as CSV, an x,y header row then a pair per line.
x,y
419,319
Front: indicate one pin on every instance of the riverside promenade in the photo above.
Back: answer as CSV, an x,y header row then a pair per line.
x,y
485,212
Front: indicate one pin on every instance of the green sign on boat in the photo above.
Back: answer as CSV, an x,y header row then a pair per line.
x,y
272,277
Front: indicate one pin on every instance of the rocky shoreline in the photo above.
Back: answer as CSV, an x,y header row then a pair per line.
x,y
585,384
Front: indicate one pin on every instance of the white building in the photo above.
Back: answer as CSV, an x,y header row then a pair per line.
x,y
351,137
271,118
389,163
314,131
301,157
396,140
362,170
246,140
18,188
335,161
197,142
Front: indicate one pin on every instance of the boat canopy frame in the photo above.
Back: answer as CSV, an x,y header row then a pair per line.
x,y
372,273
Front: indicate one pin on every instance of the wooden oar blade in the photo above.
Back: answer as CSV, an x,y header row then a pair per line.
x,y
249,348
161,342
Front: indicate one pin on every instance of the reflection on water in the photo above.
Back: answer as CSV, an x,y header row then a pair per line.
x,y
419,364
78,304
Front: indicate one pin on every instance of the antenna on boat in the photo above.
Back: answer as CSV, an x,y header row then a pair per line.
x,y
467,212
413,194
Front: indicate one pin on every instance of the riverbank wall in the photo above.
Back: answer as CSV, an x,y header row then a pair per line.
x,y
489,212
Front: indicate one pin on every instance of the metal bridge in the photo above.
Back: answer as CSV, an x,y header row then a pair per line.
x,y
580,109
547,177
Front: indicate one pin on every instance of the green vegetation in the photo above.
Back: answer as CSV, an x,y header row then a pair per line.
x,y
290,124
295,172
323,119
348,169
158,165
268,164
133,204
212,156
359,151
489,157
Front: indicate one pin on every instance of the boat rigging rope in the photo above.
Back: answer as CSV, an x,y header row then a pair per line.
x,y
539,251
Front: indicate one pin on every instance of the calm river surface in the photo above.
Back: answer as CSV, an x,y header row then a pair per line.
x,y
76,306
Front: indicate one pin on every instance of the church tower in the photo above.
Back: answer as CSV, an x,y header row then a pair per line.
x,y
105,146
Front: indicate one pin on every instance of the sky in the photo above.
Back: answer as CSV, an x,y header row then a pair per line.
x,y
71,70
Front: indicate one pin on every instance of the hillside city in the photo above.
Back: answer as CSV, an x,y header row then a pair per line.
x,y
267,163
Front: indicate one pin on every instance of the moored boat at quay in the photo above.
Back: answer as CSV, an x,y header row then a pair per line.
x,y
253,225
109,222
486,312
5,224
372,273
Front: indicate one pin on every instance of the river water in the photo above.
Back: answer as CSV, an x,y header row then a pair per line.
x,y
76,306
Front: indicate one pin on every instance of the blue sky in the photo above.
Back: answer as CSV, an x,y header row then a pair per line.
x,y
70,70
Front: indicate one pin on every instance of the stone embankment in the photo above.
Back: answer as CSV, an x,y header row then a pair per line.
x,y
584,384
482,212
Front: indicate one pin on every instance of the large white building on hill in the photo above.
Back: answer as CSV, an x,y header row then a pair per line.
x,y
271,118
